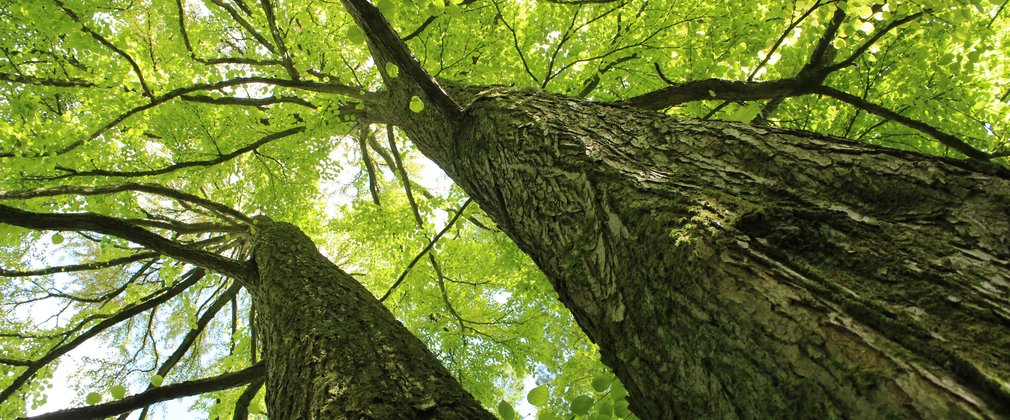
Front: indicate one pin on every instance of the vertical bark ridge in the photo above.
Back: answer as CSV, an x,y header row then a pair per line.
x,y
733,271
332,350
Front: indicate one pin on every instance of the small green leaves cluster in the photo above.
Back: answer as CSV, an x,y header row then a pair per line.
x,y
607,400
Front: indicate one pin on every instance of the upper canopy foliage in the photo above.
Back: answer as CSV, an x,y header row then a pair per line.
x,y
264,106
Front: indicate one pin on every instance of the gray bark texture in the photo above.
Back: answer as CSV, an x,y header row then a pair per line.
x,y
333,351
733,271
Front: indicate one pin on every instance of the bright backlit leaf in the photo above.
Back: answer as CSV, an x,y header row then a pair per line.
x,y
538,396
416,104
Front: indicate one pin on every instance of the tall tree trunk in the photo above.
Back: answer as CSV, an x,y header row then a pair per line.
x,y
332,350
731,271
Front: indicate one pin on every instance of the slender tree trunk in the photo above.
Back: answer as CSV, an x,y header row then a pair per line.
x,y
332,350
727,270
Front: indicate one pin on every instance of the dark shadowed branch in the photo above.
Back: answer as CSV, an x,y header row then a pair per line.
x,y
810,80
944,138
425,250
156,395
242,404
125,230
35,80
96,265
387,47
128,186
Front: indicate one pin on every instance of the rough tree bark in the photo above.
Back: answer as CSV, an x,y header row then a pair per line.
x,y
332,350
727,270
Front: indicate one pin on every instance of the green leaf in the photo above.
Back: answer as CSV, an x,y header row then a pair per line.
x,y
618,391
602,382
581,404
746,114
605,407
538,396
416,105
156,380
118,392
93,398
57,239
355,35
387,7
621,409
505,410
392,70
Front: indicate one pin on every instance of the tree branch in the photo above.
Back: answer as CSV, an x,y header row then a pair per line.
x,y
120,228
257,102
101,40
194,333
873,39
156,395
115,188
242,404
728,90
944,138
425,250
386,47
282,50
778,42
182,165
431,19
33,80
189,279
96,265
372,173
245,25
231,60
334,88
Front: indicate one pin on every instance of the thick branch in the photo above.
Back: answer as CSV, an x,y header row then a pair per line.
x,y
33,80
728,90
387,47
156,395
129,186
117,227
242,404
257,102
944,138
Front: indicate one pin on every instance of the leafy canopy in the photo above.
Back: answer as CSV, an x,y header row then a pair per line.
x,y
263,107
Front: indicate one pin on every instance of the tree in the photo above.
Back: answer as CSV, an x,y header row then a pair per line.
x,y
724,269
